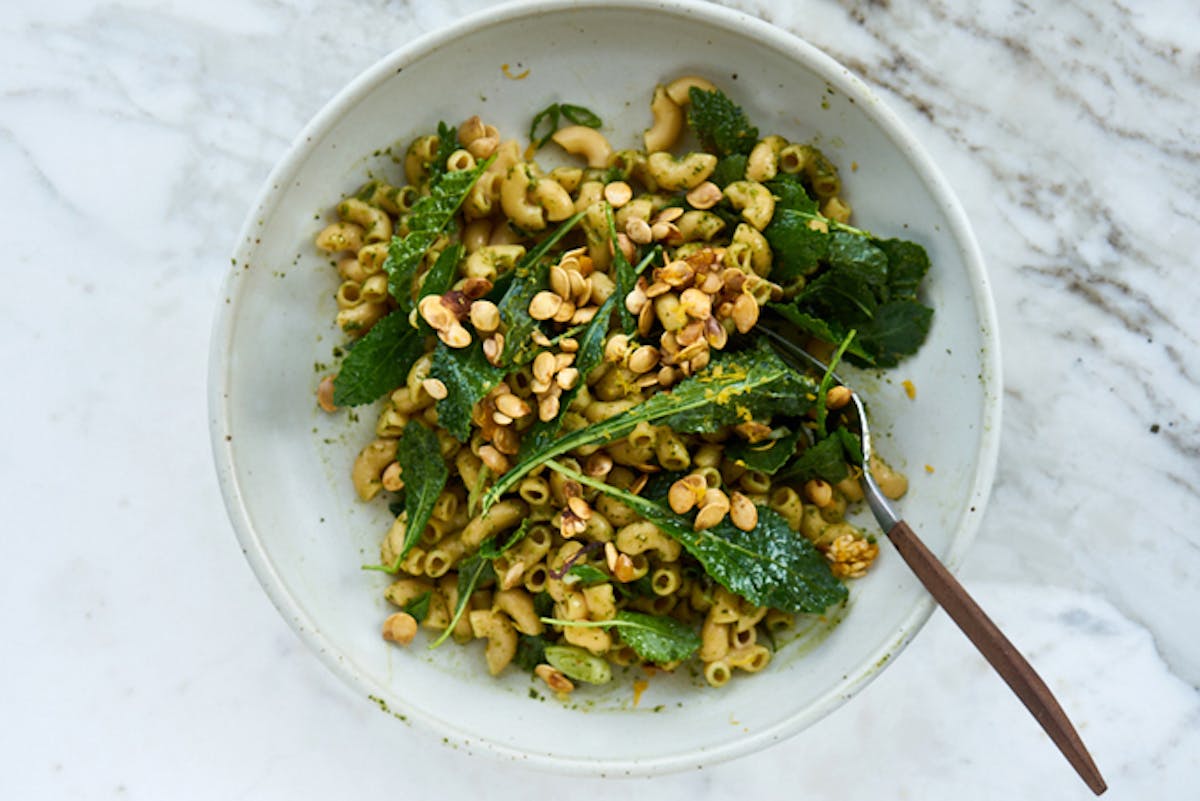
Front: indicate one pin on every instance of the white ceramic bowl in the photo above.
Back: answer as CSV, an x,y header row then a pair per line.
x,y
283,465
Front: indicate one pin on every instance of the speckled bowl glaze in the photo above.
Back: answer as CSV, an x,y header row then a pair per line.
x,y
283,465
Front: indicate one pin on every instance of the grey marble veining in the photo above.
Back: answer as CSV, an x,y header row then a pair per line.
x,y
142,660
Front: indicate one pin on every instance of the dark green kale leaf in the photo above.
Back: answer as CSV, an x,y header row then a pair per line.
x,y
796,247
825,460
527,281
737,388
720,124
897,330
734,388
379,362
806,323
770,565
859,257
907,264
468,378
767,456
424,473
430,215
440,277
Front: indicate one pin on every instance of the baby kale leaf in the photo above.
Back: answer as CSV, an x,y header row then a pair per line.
x,y
656,639
430,215
767,456
468,378
770,565
379,362
424,473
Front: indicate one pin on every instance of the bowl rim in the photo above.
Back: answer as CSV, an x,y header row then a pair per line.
x,y
809,56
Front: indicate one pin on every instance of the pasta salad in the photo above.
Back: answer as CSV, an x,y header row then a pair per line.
x,y
594,456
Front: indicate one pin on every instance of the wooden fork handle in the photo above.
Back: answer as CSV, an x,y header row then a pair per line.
x,y
1000,653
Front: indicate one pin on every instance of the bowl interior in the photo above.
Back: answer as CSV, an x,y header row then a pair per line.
x,y
284,465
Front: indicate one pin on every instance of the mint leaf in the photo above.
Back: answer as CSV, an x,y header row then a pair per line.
x,y
419,607
379,362
765,457
468,378
429,216
587,574
825,460
424,473
655,639
770,565
720,124
729,169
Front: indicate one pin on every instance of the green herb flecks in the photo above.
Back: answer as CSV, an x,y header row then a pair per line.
x,y
734,388
378,363
770,565
719,123
656,639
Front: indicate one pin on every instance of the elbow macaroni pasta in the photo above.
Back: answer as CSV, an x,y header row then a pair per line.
x,y
714,275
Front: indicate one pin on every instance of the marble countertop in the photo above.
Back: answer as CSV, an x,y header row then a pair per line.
x,y
142,660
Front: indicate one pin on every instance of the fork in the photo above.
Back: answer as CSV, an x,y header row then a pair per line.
x,y
986,636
